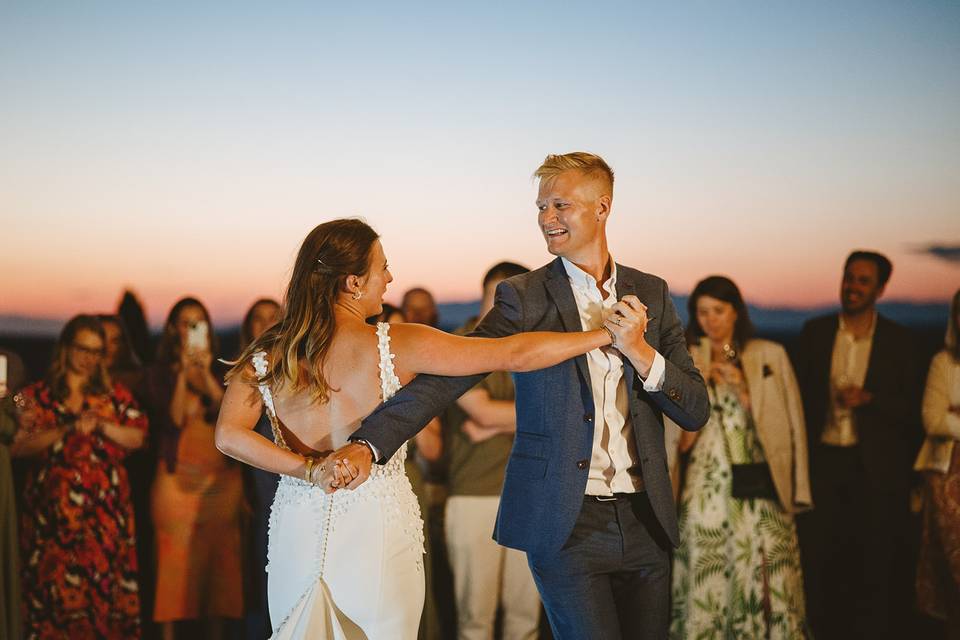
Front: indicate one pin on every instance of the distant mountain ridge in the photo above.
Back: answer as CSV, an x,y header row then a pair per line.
x,y
921,315
455,314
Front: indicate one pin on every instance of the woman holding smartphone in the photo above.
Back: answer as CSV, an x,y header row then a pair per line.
x,y
197,492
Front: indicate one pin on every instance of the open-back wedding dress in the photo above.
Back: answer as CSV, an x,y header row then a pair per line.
x,y
346,565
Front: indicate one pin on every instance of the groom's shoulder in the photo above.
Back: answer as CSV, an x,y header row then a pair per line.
x,y
638,277
525,281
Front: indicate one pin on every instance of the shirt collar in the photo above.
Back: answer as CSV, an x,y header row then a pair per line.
x,y
842,328
584,281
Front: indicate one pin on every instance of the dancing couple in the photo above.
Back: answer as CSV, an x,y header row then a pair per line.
x,y
599,356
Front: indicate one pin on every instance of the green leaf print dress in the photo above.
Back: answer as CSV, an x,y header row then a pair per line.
x,y
737,571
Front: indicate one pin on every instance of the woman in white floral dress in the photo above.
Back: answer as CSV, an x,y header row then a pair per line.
x,y
737,571
348,565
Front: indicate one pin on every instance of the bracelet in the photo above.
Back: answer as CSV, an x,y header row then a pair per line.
x,y
308,471
613,338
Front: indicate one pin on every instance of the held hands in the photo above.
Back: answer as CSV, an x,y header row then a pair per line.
x,y
193,358
346,468
87,423
852,396
725,373
628,322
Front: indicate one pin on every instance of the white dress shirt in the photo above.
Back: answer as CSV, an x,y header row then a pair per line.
x,y
848,366
614,464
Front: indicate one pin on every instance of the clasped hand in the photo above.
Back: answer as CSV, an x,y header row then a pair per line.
x,y
346,468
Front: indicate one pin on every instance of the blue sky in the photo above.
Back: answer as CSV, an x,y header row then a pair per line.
x,y
189,147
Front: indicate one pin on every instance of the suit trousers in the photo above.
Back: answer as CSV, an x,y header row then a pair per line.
x,y
611,579
486,575
848,549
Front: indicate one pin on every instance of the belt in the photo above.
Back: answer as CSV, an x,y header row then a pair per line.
x,y
614,497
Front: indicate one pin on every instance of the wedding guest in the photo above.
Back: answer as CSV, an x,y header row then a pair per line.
x,y
124,366
738,564
197,492
480,429
262,314
419,306
121,362
260,487
938,576
858,374
77,534
130,310
11,379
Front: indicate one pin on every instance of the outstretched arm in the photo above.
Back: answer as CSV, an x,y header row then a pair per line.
x,y
394,422
423,349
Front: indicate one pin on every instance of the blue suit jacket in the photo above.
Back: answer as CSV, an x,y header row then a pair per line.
x,y
546,475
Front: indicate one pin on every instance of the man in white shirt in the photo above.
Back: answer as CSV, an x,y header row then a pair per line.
x,y
858,374
586,492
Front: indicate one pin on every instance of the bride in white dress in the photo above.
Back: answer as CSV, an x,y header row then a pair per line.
x,y
349,564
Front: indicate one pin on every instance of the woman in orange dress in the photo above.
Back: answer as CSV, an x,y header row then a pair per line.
x,y
79,558
197,493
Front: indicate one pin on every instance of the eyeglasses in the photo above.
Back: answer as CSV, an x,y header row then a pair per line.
x,y
87,351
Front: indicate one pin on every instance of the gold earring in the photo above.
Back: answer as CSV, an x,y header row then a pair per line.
x,y
357,294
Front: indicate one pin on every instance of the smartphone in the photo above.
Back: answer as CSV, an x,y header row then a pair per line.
x,y
3,376
198,337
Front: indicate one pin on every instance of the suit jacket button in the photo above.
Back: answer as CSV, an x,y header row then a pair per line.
x,y
588,418
581,464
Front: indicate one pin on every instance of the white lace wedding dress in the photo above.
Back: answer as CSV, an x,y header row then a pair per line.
x,y
348,565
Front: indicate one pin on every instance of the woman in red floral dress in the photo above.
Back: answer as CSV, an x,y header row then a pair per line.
x,y
79,562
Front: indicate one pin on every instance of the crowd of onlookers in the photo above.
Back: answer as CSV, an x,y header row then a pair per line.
x,y
822,498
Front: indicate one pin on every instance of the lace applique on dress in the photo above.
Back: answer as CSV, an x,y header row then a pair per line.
x,y
261,366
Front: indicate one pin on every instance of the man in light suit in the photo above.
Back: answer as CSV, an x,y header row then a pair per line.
x,y
586,492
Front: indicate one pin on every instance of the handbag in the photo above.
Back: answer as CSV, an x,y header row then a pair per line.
x,y
749,480
752,481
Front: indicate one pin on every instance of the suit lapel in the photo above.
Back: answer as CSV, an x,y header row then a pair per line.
x,y
558,286
626,287
876,359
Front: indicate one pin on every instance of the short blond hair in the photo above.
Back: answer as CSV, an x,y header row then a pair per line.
x,y
587,163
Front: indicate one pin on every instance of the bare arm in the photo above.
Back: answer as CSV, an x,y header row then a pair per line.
x,y
430,441
239,412
29,445
488,413
124,436
423,349
179,399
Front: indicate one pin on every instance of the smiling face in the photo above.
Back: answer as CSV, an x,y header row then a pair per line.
x,y
373,285
860,287
717,318
573,210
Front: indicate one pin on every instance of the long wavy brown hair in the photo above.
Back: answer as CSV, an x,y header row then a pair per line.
x,y
298,344
99,382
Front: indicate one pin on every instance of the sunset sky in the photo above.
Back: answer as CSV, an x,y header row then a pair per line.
x,y
185,147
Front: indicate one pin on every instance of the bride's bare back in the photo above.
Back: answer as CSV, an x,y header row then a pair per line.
x,y
352,371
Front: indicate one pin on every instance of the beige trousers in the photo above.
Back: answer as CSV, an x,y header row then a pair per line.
x,y
486,575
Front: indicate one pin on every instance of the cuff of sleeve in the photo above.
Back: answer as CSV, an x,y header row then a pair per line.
x,y
654,381
373,449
